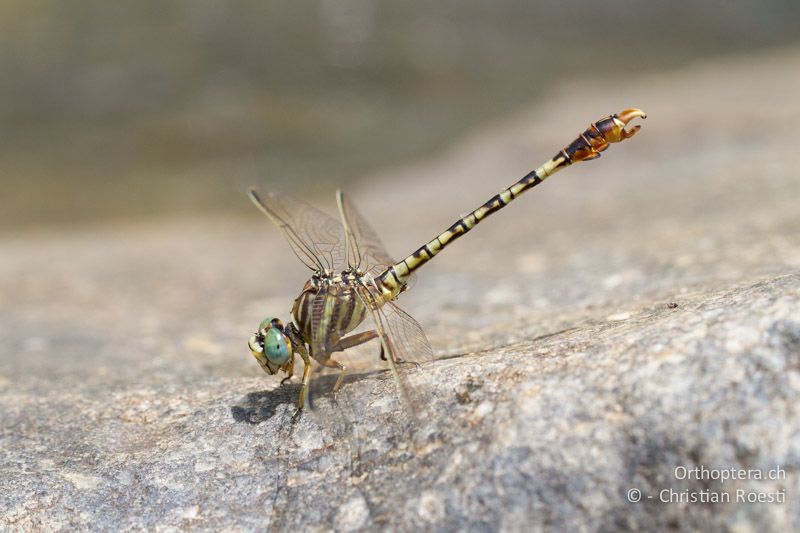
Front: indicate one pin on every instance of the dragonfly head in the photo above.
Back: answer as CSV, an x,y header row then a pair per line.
x,y
271,347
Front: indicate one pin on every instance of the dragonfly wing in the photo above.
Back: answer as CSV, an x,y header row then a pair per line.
x,y
404,346
364,249
315,237
412,343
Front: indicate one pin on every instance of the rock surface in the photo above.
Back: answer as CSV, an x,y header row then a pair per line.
x,y
635,315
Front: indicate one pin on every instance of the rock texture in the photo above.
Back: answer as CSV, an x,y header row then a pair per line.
x,y
635,315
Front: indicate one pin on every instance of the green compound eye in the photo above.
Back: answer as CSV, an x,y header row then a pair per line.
x,y
266,323
276,346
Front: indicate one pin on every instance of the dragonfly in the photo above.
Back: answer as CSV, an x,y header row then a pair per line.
x,y
354,278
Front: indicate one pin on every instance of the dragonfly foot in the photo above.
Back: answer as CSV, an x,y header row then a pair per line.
x,y
405,363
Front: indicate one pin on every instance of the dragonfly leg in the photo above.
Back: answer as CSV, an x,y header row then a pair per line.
x,y
306,377
333,363
354,340
299,347
289,369
357,339
400,361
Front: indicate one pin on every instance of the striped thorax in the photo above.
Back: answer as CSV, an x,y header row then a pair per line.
x,y
340,313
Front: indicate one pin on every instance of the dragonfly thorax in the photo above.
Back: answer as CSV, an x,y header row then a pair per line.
x,y
329,307
320,277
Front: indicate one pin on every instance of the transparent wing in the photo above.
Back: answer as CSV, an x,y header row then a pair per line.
x,y
316,238
364,249
411,344
404,345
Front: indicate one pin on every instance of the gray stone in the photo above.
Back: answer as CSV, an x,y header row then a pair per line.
x,y
636,315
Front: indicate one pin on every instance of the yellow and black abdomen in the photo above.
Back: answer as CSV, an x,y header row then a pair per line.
x,y
587,146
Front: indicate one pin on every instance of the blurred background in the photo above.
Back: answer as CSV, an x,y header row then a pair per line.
x,y
123,110
637,312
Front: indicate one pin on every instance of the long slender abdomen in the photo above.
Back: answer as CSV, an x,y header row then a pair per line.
x,y
586,146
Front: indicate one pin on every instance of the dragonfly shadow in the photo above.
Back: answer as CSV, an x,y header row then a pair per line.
x,y
322,385
260,406
494,349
